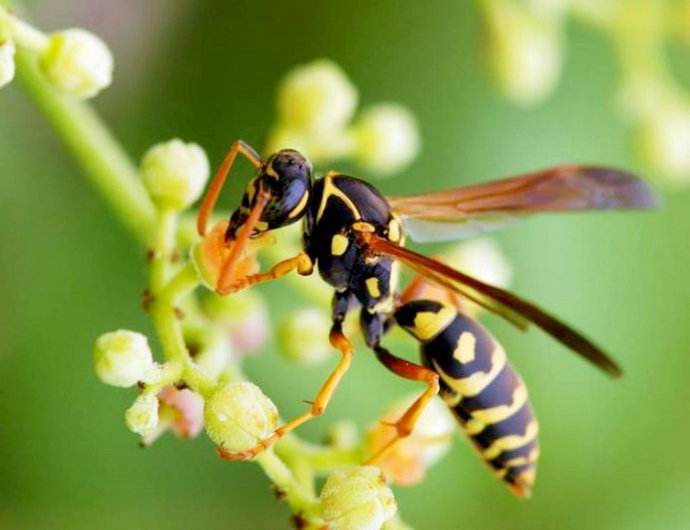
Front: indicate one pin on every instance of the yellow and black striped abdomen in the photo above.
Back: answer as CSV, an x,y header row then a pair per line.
x,y
483,390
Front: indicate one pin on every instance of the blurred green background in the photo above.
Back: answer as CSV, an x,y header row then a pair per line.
x,y
614,453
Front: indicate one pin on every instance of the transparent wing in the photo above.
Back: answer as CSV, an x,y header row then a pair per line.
x,y
505,304
464,212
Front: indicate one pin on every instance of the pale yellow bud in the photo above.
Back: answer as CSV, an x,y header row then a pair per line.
x,y
7,50
238,415
524,51
386,138
77,62
663,143
316,97
357,499
303,336
175,173
123,358
142,417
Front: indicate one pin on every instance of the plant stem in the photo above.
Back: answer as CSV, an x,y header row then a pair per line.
x,y
105,163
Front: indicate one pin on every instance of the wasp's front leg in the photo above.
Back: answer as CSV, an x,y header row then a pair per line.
x,y
302,262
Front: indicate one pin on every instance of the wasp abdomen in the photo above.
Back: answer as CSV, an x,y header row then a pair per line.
x,y
483,390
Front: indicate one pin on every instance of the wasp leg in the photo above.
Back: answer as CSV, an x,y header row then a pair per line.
x,y
318,406
216,186
227,269
302,262
405,424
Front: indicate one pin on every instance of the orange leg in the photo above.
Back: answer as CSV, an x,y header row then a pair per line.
x,y
216,186
405,424
227,269
318,406
302,262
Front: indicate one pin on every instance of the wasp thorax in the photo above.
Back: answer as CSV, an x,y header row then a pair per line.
x,y
286,177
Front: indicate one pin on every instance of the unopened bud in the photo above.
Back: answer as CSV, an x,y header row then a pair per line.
x,y
663,142
525,51
386,138
316,97
7,50
77,62
238,415
175,173
142,417
303,336
357,499
123,358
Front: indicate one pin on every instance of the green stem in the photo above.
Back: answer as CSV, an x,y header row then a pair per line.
x,y
104,161
301,502
163,248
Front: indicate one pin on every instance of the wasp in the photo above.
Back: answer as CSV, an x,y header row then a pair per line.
x,y
355,237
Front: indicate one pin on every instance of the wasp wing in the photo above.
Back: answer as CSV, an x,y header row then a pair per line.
x,y
463,212
507,305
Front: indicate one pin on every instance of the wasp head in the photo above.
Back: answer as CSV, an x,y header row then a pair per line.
x,y
286,178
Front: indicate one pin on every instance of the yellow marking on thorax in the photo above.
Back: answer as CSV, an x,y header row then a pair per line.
x,y
478,381
363,226
339,244
512,441
502,412
331,190
300,206
261,226
394,230
428,324
465,350
373,287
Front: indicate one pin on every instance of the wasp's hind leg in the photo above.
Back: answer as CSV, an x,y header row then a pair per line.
x,y
341,303
373,326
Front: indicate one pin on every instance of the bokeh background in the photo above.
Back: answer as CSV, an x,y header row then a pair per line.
x,y
614,452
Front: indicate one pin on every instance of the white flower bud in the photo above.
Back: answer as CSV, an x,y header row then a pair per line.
x,y
238,415
77,62
525,51
663,143
122,358
303,336
175,173
7,50
142,417
386,138
316,97
357,499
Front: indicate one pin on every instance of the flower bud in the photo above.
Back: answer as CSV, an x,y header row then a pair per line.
x,y
524,51
407,461
142,417
357,499
316,97
303,336
77,62
122,358
7,50
243,317
182,410
663,143
175,173
238,415
386,138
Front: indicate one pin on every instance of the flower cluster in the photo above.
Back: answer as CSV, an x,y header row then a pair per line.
x,y
525,52
316,107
